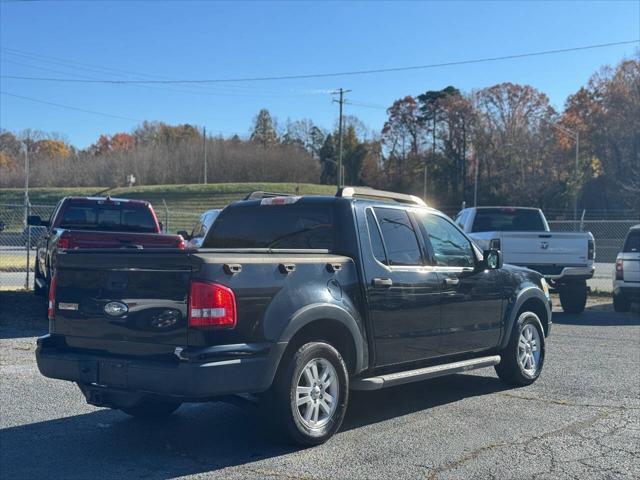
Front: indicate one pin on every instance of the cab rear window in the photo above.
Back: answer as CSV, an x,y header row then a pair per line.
x,y
130,218
295,226
507,220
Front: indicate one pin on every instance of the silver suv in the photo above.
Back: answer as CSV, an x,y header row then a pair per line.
x,y
626,277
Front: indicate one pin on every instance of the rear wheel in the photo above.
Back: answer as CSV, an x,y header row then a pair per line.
x,y
522,360
310,394
621,303
152,409
573,296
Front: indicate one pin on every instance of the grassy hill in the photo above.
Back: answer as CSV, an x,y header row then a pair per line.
x,y
184,202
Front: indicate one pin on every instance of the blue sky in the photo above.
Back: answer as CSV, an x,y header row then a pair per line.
x,y
200,39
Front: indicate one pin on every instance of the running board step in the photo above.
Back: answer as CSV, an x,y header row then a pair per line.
x,y
399,378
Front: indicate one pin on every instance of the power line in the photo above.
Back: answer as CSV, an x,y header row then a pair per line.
x,y
95,112
69,107
210,90
328,75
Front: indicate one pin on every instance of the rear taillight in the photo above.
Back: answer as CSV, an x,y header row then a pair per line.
x,y
64,242
211,305
181,244
591,250
619,270
51,307
494,244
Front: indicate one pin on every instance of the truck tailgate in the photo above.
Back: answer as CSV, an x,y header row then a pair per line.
x,y
122,303
631,266
545,248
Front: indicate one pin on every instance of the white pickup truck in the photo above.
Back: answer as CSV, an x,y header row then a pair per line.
x,y
522,234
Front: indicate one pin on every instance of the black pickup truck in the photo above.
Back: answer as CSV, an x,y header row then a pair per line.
x,y
293,301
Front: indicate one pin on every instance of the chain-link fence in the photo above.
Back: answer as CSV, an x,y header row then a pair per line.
x,y
609,236
17,244
17,261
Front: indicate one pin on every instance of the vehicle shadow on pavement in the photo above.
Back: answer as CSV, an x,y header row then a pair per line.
x,y
601,315
22,314
366,408
199,438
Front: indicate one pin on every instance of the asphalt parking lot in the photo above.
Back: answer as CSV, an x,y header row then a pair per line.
x,y
580,420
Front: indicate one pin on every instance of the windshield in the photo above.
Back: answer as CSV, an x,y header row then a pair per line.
x,y
298,226
508,220
117,218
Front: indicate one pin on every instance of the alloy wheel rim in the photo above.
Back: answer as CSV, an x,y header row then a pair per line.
x,y
317,390
529,353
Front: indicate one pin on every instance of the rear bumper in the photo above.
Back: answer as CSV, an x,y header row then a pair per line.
x,y
630,290
195,378
573,273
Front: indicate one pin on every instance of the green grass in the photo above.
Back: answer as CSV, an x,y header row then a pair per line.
x,y
185,202
210,196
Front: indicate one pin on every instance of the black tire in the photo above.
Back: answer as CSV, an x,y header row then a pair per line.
x,y
573,296
621,303
510,370
282,398
152,409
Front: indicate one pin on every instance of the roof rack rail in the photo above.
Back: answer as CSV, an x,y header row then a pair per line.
x,y
351,192
260,194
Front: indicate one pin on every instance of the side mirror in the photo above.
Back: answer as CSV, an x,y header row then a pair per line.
x,y
35,221
184,234
492,259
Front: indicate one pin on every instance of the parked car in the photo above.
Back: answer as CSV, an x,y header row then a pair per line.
x,y
199,232
95,222
626,277
523,236
295,301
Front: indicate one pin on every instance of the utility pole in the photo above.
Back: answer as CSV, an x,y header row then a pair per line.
x,y
204,147
339,175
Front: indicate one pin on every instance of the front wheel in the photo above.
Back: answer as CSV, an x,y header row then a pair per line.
x,y
522,360
573,296
310,394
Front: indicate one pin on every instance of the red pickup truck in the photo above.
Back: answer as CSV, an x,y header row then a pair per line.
x,y
96,222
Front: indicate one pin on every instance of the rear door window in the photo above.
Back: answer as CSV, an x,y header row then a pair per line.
x,y
377,247
400,241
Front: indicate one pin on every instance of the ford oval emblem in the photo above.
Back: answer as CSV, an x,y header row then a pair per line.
x,y
116,309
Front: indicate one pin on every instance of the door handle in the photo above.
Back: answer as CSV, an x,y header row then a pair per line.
x,y
382,282
451,281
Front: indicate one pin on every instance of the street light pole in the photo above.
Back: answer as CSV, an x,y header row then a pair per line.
x,y
575,135
26,181
475,187
575,197
204,147
26,211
